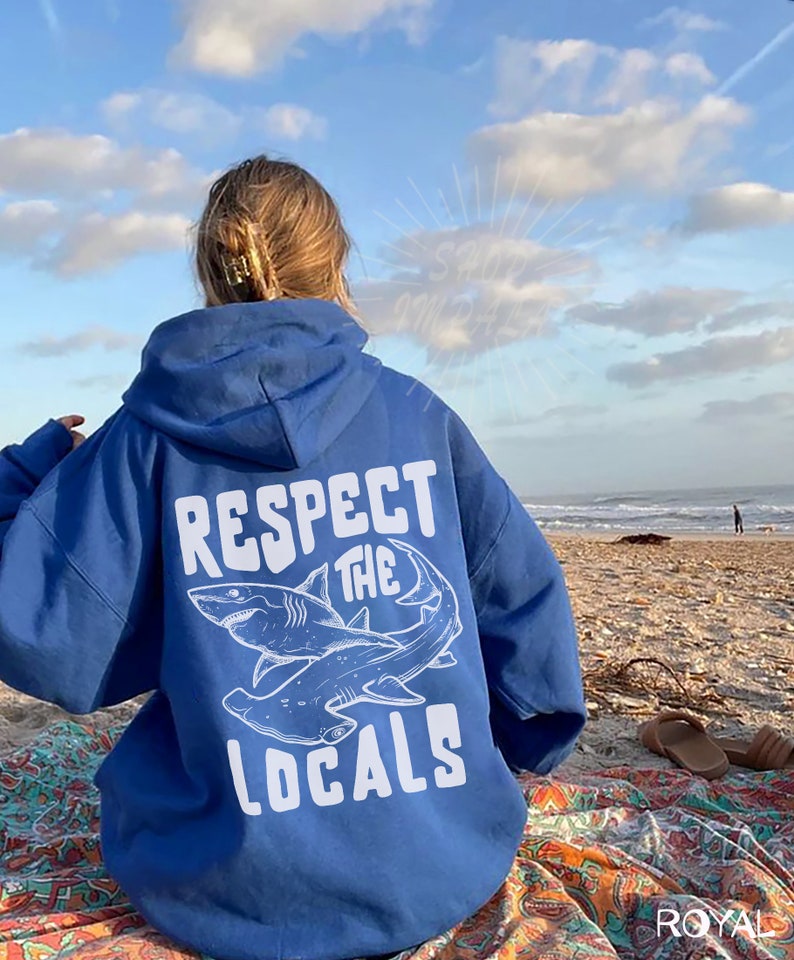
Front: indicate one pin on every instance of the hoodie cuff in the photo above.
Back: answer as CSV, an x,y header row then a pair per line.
x,y
30,462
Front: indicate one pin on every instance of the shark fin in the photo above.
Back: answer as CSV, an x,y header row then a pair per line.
x,y
316,585
277,674
391,690
361,620
443,660
425,590
426,614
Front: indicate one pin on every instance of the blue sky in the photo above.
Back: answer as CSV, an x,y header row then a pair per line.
x,y
573,220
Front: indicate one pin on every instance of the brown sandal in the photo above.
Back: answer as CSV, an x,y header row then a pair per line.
x,y
683,739
768,750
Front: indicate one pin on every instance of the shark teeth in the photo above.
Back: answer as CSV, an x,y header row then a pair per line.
x,y
240,616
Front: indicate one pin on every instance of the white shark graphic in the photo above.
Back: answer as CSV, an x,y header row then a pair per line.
x,y
313,665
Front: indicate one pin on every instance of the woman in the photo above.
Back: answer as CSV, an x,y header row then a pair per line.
x,y
352,628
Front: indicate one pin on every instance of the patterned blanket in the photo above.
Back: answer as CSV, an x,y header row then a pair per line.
x,y
627,863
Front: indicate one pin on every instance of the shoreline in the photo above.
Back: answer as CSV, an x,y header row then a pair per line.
x,y
704,536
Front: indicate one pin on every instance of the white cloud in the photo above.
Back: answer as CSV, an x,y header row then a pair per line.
x,y
764,406
55,162
289,121
659,312
738,206
577,71
93,203
470,289
94,337
24,224
684,21
747,314
191,113
238,38
654,146
99,241
43,160
636,69
196,114
629,79
178,112
525,68
120,105
714,357
688,66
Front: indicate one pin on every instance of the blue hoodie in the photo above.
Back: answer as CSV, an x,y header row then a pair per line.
x,y
352,628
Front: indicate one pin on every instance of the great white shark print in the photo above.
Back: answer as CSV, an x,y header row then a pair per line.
x,y
313,665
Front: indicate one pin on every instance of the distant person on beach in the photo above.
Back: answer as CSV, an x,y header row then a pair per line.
x,y
352,628
738,525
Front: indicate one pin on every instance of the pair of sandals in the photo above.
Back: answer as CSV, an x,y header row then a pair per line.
x,y
683,738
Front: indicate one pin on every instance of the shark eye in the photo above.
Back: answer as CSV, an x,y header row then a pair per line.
x,y
234,593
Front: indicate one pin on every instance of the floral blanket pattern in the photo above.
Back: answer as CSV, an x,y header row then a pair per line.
x,y
626,863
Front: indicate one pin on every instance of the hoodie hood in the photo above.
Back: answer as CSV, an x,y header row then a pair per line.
x,y
273,382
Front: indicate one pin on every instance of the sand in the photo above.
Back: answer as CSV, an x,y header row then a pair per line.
x,y
718,615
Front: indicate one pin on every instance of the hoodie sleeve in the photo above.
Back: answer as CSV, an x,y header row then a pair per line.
x,y
24,465
524,617
80,582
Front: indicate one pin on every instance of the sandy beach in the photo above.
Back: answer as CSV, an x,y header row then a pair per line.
x,y
703,624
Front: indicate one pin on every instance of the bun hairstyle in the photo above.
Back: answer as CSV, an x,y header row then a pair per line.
x,y
271,230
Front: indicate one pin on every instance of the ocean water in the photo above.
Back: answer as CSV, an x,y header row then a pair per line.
x,y
683,511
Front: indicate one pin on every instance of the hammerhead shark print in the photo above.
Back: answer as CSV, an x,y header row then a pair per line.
x,y
314,666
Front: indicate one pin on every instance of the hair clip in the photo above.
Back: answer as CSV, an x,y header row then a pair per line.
x,y
237,270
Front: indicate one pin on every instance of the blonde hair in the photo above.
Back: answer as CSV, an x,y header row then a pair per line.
x,y
271,230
